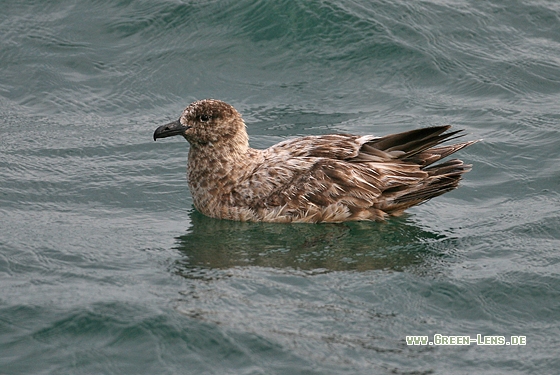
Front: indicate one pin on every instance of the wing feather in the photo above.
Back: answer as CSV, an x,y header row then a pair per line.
x,y
344,177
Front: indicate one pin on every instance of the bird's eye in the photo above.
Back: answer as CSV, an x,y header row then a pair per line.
x,y
204,118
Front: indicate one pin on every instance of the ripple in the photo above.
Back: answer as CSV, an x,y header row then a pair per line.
x,y
106,268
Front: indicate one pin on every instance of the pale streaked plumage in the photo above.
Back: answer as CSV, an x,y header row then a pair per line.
x,y
329,178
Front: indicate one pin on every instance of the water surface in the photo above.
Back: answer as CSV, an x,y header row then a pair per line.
x,y
105,266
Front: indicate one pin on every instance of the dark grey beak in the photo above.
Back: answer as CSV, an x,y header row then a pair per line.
x,y
171,129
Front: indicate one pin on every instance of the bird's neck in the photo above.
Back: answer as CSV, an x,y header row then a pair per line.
x,y
214,169
226,151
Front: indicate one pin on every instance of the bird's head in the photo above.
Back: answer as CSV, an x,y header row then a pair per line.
x,y
207,121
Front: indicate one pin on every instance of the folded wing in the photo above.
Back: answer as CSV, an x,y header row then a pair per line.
x,y
346,177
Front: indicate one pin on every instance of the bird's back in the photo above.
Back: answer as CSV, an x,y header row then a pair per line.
x,y
335,178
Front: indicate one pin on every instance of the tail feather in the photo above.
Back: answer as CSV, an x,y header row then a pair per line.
x,y
441,178
432,155
417,147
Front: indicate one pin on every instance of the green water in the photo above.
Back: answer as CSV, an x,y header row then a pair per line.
x,y
106,268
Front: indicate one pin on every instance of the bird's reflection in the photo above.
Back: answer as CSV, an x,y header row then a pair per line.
x,y
219,244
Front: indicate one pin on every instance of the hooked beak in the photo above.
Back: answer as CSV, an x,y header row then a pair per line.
x,y
171,129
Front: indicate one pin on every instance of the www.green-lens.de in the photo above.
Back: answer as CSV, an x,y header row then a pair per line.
x,y
466,340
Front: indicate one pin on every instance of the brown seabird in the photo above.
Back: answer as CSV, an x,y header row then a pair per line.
x,y
326,178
